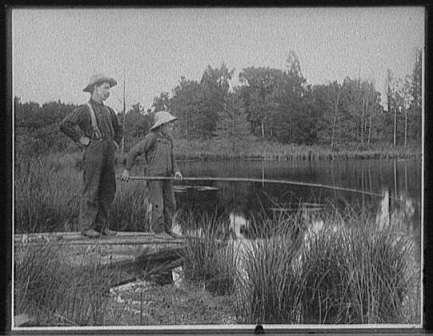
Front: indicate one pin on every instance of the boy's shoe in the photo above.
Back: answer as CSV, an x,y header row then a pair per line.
x,y
108,232
90,233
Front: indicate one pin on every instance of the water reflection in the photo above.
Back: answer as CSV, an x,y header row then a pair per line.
x,y
400,213
239,225
250,199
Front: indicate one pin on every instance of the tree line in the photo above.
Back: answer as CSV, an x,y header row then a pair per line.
x,y
272,104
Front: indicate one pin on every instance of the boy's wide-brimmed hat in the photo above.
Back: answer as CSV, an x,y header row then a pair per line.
x,y
99,78
162,118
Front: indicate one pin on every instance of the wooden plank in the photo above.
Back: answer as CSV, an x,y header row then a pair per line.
x,y
75,238
116,251
129,255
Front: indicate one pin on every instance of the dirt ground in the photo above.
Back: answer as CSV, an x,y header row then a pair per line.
x,y
148,304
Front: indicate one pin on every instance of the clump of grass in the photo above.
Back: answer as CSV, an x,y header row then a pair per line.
x,y
207,259
55,293
270,290
357,274
129,211
339,274
382,274
325,274
46,197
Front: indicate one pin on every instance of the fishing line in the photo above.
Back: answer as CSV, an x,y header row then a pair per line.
x,y
244,179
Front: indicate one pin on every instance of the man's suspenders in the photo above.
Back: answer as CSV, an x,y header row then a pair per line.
x,y
96,131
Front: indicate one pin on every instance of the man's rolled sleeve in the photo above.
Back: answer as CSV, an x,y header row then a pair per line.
x,y
69,125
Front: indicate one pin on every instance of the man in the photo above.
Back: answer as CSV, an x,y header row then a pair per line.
x,y
158,149
96,130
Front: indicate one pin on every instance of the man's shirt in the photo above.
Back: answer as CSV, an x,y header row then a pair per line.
x,y
105,118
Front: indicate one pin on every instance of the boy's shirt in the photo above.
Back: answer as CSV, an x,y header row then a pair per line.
x,y
158,150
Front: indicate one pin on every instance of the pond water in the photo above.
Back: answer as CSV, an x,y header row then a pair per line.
x,y
399,181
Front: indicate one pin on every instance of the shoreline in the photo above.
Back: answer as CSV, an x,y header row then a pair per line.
x,y
297,157
270,152
261,150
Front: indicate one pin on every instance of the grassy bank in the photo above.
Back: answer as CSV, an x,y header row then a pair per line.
x,y
255,148
55,294
348,272
47,195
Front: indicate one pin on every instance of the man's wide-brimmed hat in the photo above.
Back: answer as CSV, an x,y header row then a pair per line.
x,y
99,78
162,118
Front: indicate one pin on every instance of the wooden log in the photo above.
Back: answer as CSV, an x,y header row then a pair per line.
x,y
129,255
75,238
126,252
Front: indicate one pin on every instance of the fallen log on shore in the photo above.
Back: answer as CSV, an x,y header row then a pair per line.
x,y
128,255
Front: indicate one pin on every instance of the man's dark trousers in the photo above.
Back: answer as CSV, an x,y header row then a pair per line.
x,y
99,184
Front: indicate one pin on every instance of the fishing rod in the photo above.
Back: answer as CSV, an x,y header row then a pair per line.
x,y
244,179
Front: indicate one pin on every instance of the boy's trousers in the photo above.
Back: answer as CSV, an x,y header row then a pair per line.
x,y
163,205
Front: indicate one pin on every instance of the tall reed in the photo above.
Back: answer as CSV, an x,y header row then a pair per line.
x,y
256,148
48,190
207,259
46,195
130,208
55,293
336,272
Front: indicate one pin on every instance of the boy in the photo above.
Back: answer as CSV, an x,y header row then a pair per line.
x,y
158,149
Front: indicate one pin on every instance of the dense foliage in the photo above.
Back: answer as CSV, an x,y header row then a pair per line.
x,y
271,104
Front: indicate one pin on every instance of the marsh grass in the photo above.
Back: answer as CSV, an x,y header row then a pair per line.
x,y
129,211
335,274
206,258
268,286
346,270
385,277
269,290
46,195
54,293
340,274
256,148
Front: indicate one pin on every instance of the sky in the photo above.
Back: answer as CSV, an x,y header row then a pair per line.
x,y
56,50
